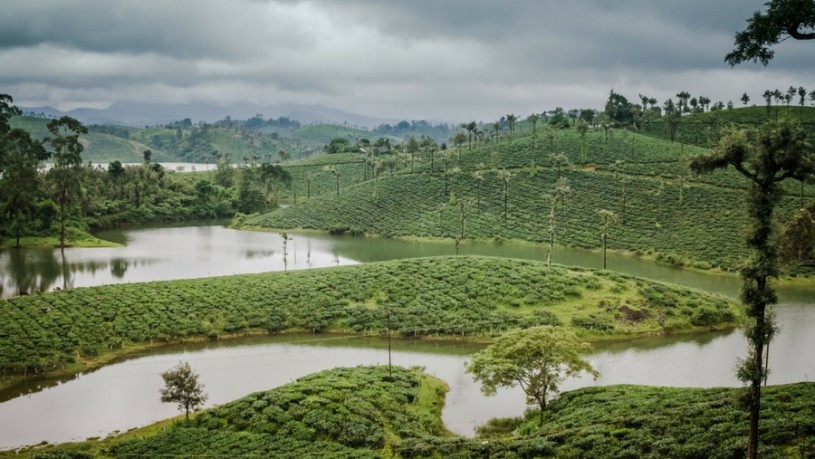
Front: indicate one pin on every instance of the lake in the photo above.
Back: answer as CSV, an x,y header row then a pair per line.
x,y
125,395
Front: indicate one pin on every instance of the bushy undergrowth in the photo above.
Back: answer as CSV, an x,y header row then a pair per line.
x,y
335,413
444,296
656,422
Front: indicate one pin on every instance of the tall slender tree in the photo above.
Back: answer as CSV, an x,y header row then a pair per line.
x,y
556,198
607,217
533,121
64,175
780,151
505,176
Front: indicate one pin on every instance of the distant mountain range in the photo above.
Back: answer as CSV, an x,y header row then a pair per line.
x,y
138,114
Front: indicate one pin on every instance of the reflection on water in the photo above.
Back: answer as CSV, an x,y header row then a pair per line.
x,y
203,251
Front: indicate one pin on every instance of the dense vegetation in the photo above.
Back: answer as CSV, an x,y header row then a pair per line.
x,y
366,413
255,139
445,296
495,189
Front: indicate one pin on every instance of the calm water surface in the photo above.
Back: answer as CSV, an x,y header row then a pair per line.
x,y
125,395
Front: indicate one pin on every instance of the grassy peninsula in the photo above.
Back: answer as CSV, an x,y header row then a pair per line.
x,y
463,297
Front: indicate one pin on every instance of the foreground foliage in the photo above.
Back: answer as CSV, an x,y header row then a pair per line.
x,y
475,297
656,422
363,413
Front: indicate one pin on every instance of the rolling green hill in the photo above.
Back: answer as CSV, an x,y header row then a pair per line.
x,y
99,147
194,143
662,209
703,129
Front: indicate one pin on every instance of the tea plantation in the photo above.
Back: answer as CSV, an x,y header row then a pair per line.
x,y
364,413
472,297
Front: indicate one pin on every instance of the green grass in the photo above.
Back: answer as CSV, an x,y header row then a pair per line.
x,y
466,297
364,413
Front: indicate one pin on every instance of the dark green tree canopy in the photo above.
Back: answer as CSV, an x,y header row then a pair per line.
x,y
783,19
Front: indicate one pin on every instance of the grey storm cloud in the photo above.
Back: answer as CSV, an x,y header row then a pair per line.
x,y
453,59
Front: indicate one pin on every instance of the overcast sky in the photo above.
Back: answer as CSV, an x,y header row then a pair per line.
x,y
414,59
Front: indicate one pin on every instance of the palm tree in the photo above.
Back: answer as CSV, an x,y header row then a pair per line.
x,y
505,176
533,120
478,175
557,197
511,123
471,128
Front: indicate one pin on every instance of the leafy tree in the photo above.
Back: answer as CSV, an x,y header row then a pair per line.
x,y
64,174
745,99
224,172
20,182
768,99
802,95
779,151
337,145
559,119
783,19
458,140
511,119
683,97
181,386
537,359
604,122
115,172
7,110
672,114
556,197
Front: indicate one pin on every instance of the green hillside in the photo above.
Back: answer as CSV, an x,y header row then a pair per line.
x,y
474,297
99,147
704,129
662,209
199,143
369,412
